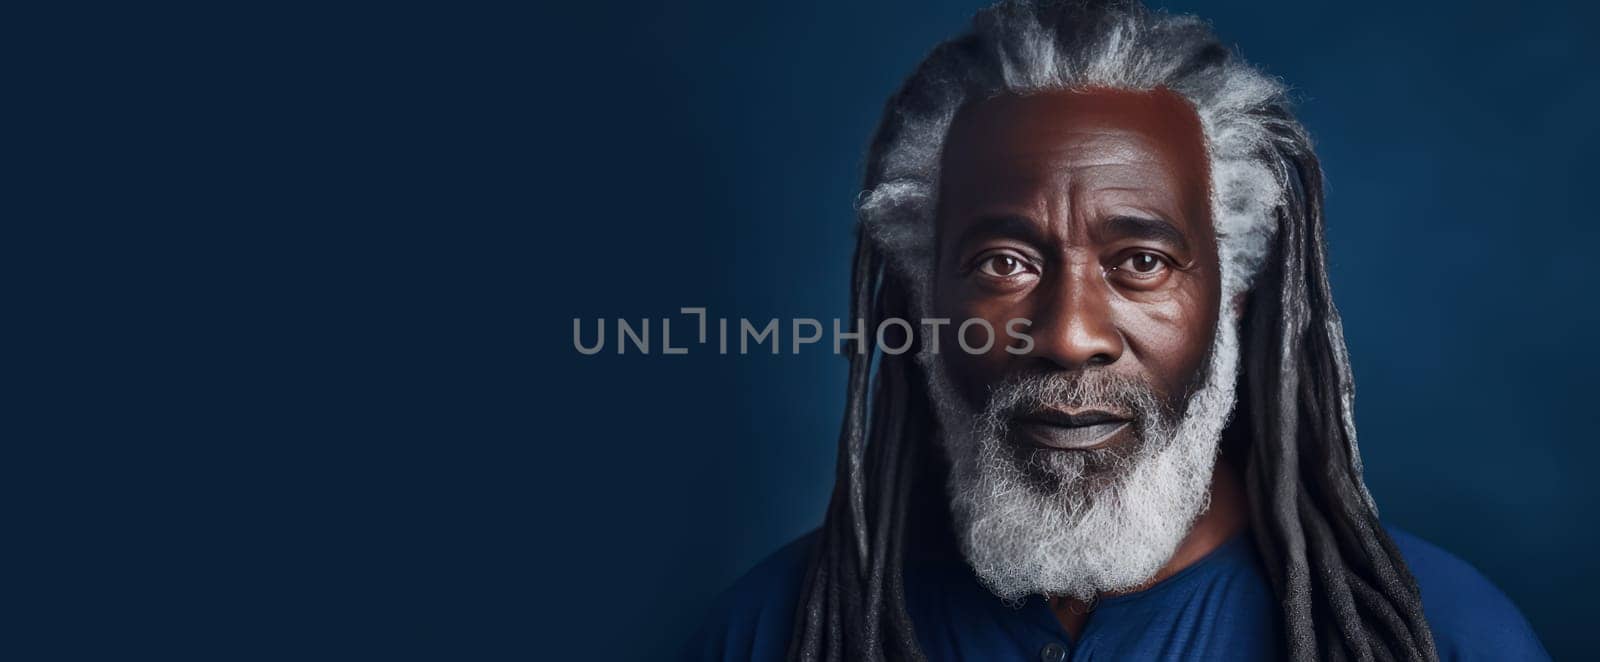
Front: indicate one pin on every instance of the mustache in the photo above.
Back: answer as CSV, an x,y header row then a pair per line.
x,y
1081,391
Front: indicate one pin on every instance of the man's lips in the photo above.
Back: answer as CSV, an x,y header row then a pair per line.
x,y
1061,430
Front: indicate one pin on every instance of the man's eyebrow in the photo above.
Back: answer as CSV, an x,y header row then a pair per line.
x,y
1000,225
1152,229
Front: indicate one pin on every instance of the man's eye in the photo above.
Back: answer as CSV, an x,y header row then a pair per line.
x,y
1142,265
1002,265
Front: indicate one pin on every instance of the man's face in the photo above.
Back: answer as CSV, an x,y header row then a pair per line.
x,y
1088,214
1078,465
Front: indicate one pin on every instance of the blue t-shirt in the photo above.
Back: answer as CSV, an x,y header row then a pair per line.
x,y
1220,607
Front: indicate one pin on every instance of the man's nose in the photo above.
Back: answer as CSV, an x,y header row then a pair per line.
x,y
1072,326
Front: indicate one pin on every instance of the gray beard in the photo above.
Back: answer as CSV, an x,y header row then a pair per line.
x,y
1080,523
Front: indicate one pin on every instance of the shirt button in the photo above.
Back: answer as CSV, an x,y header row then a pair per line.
x,y
1053,652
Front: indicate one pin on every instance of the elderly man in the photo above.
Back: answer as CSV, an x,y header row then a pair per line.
x,y
1164,464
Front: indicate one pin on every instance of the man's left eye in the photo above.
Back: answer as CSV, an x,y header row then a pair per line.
x,y
1143,264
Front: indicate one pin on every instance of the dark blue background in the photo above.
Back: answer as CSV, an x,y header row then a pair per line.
x,y
722,148
298,284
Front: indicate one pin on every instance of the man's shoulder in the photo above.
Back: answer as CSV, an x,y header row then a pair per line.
x,y
1470,617
754,618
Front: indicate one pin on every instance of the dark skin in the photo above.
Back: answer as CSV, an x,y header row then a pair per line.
x,y
1087,213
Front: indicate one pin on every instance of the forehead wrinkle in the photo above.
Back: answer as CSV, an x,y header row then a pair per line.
x,y
1062,190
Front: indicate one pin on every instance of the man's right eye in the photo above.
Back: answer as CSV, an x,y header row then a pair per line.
x,y
1003,265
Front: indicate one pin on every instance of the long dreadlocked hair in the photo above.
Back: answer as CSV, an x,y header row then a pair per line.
x,y
1344,591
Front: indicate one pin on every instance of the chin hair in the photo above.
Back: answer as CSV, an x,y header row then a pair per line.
x,y
1080,523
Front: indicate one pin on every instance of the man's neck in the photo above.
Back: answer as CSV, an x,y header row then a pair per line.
x,y
1224,517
